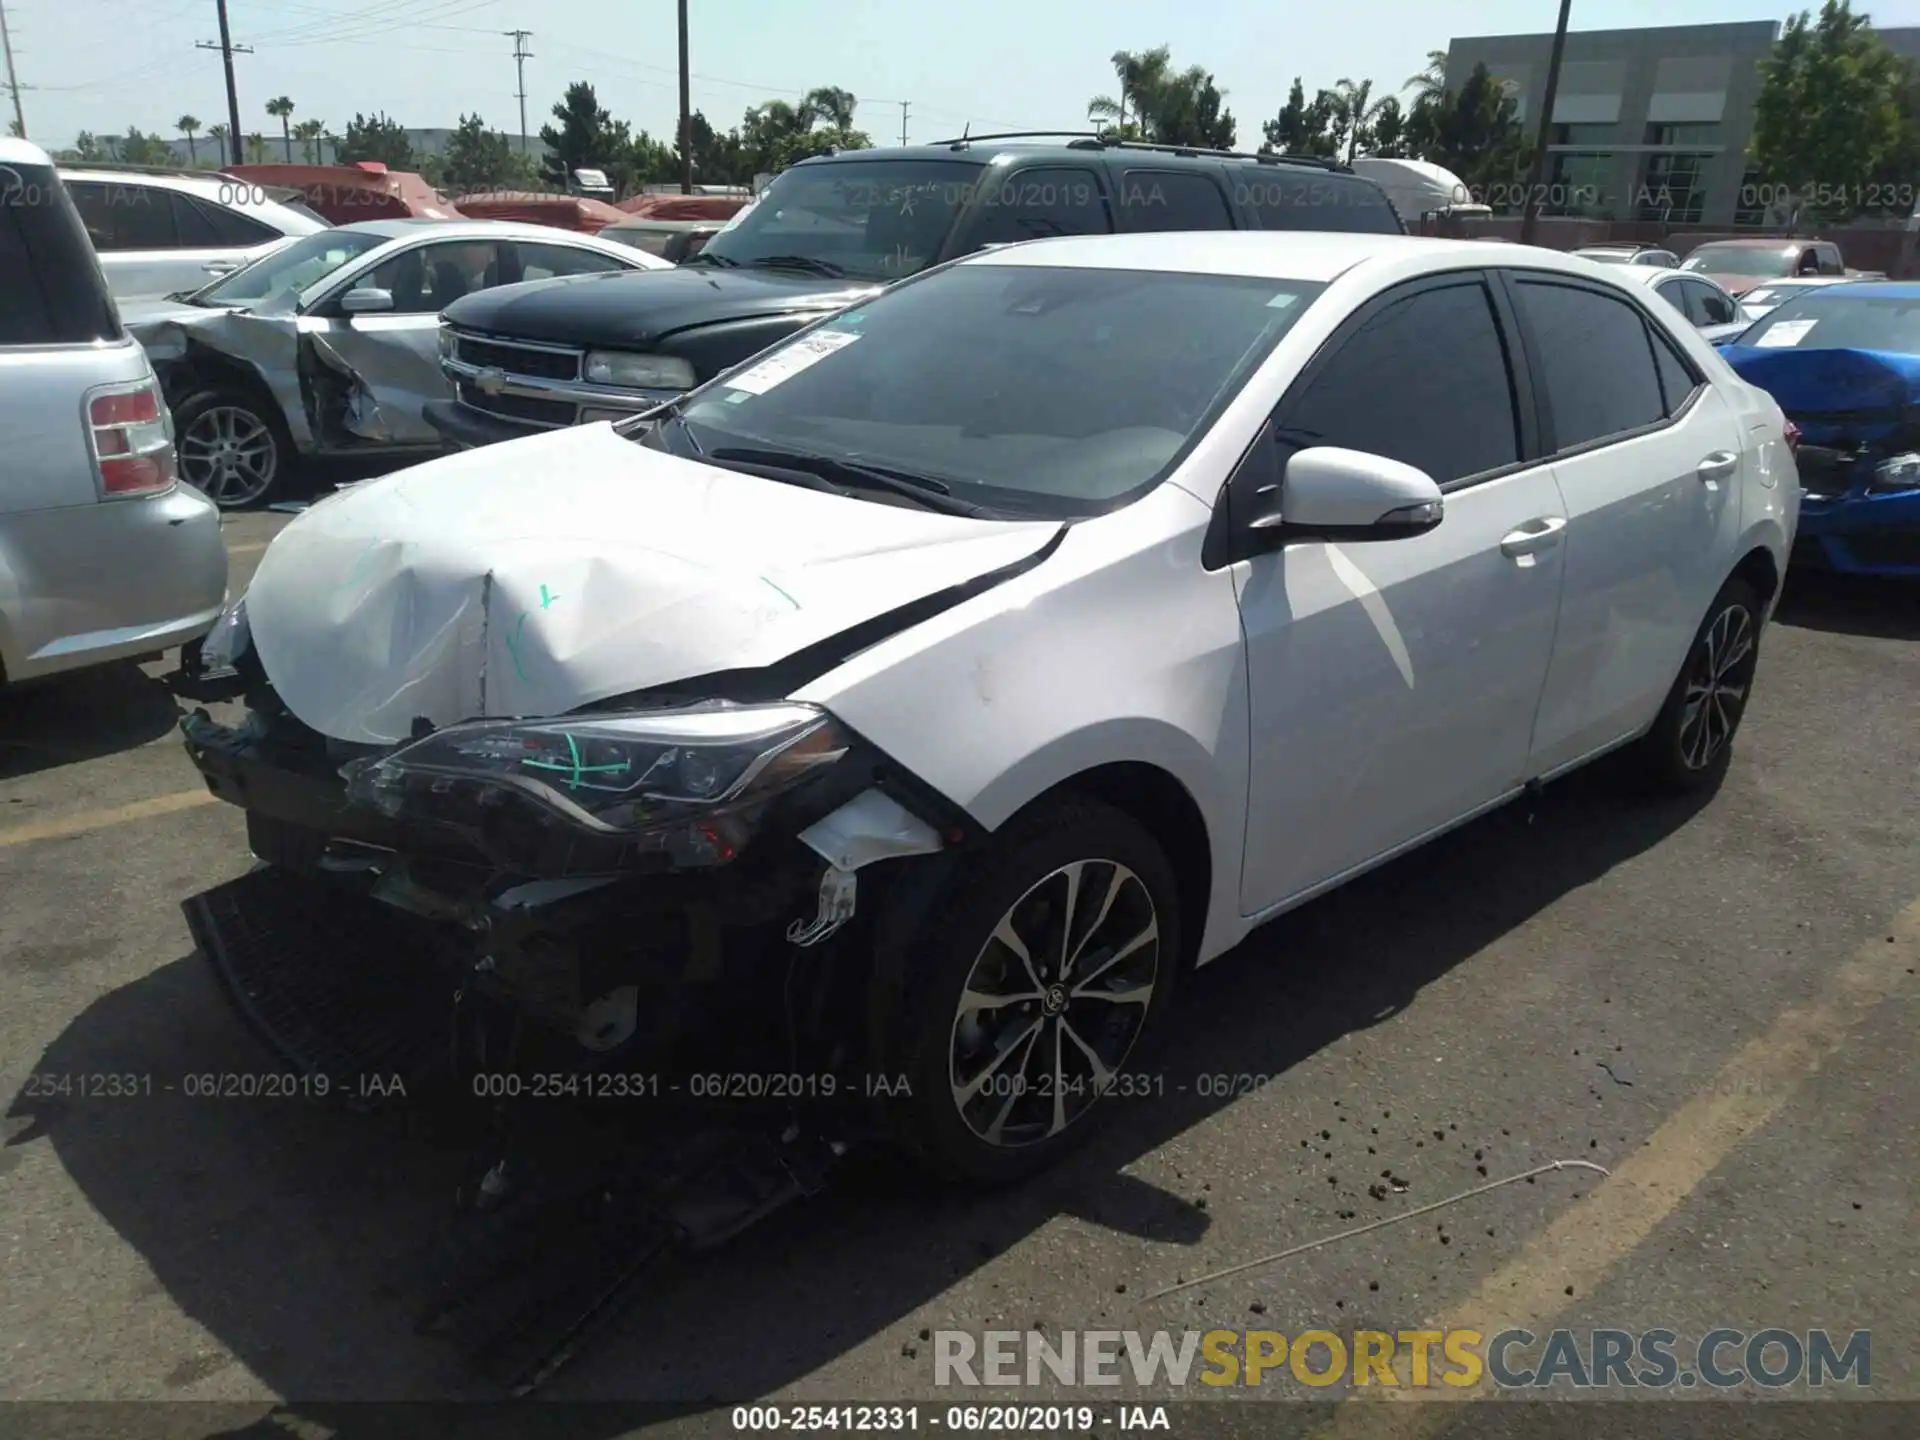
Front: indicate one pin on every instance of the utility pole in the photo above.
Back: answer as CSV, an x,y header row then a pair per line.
x,y
228,50
686,109
520,57
903,121
1530,213
13,80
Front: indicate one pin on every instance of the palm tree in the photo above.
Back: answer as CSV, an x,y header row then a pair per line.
x,y
831,104
280,108
256,148
219,134
187,125
309,133
1431,83
1143,77
1353,114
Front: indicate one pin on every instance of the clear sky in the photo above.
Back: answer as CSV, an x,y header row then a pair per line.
x,y
103,65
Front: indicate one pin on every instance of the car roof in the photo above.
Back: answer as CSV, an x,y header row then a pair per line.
x,y
1317,256
1750,243
14,151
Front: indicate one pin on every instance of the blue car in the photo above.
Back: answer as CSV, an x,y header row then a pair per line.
x,y
1844,363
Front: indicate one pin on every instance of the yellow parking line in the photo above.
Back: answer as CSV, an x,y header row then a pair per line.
x,y
248,549
87,820
1582,1245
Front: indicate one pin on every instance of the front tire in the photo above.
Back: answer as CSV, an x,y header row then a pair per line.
x,y
1029,989
233,447
1691,743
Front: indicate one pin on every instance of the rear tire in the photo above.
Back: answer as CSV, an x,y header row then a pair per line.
x,y
1004,1087
233,446
1691,743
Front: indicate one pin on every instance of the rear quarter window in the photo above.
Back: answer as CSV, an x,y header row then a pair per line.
x,y
1290,198
51,289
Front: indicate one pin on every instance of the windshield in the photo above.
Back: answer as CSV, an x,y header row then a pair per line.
x,y
865,219
275,281
1827,321
1740,260
1031,390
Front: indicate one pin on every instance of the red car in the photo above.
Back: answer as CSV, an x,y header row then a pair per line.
x,y
1740,265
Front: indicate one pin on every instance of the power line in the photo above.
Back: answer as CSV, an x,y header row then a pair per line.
x,y
520,57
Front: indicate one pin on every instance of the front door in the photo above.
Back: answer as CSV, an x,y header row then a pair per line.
x,y
1648,459
1393,683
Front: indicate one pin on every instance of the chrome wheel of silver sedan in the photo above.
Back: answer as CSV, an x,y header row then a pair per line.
x,y
229,454
1054,1002
1716,686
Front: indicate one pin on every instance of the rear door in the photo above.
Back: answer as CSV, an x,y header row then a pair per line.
x,y
1037,201
1647,456
217,241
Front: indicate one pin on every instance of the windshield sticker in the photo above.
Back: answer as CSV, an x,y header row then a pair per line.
x,y
1787,332
1281,302
781,367
858,317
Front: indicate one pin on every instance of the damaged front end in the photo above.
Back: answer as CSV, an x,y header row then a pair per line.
x,y
641,893
1857,413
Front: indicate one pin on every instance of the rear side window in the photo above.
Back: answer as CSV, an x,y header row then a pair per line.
x,y
1294,198
1450,419
1593,357
1677,380
126,217
202,224
1155,200
1033,204
51,291
544,262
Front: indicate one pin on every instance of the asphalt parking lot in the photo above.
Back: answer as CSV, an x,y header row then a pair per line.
x,y
1713,1001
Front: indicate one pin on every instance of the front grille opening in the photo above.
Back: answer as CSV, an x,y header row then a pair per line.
x,y
519,360
520,407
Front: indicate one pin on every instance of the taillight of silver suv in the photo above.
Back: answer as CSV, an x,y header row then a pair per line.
x,y
131,432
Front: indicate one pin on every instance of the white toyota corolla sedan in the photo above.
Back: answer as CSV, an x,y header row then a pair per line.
x,y
954,675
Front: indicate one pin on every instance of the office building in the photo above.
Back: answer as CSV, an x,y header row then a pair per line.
x,y
1648,125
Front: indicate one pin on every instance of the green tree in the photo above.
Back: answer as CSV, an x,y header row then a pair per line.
x,y
218,134
376,137
1157,103
587,137
1474,132
136,148
1354,113
189,126
281,108
476,159
1828,113
1389,130
1893,183
1429,83
257,149
1301,128
716,157
310,133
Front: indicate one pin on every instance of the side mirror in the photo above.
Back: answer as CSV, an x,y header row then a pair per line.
x,y
366,302
1329,493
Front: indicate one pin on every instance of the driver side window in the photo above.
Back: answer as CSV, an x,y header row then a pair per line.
x,y
428,278
1424,380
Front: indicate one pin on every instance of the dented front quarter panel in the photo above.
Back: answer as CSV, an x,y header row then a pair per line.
x,y
371,376
536,577
178,338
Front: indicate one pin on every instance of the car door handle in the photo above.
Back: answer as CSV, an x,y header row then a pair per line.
x,y
1718,466
1533,537
219,267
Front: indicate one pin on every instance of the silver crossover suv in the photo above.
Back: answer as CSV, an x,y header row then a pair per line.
x,y
104,554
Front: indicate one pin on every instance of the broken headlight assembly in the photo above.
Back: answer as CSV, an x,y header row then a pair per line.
x,y
1896,472
690,784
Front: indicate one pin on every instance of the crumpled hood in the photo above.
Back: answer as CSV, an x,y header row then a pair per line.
x,y
542,575
1854,388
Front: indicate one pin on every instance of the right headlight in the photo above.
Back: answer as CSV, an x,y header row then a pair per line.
x,y
1897,472
639,372
691,783
449,347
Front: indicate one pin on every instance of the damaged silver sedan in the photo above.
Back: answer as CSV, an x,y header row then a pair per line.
x,y
329,346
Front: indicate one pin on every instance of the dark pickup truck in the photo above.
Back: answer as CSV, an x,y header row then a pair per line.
x,y
826,234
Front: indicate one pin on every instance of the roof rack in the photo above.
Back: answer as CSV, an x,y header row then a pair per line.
x,y
1098,140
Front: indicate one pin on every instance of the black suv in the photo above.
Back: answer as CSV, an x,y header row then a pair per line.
x,y
826,234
